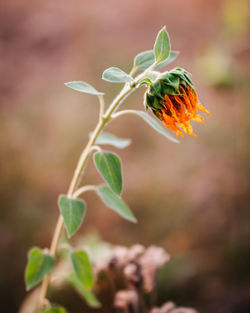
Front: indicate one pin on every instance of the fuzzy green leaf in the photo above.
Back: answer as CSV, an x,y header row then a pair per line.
x,y
83,268
87,295
116,75
172,56
109,166
58,309
145,59
83,87
154,124
115,203
39,265
73,211
161,46
112,140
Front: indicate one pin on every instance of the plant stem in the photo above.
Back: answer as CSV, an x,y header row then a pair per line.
x,y
53,248
83,189
104,118
123,112
102,104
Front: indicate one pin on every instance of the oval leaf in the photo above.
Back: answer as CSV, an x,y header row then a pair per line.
x,y
153,123
116,75
58,309
172,56
145,59
39,265
112,140
161,46
73,211
109,166
83,268
115,203
83,87
87,295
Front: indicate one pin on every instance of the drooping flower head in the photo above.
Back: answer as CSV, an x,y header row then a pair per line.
x,y
173,100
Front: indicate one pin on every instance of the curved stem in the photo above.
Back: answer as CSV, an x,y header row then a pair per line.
x,y
53,248
95,148
83,189
84,156
120,113
118,100
103,119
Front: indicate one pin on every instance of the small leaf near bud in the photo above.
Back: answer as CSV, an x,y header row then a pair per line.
x,y
116,75
161,46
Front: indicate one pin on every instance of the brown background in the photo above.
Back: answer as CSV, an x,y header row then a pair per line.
x,y
191,198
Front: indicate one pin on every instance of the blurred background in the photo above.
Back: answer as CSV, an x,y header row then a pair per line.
x,y
191,198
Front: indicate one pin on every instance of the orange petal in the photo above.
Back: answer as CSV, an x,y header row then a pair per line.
x,y
202,109
198,118
187,127
169,122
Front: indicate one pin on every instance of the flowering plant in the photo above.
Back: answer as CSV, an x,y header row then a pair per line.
x,y
173,100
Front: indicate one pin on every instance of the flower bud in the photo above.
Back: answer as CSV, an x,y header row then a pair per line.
x,y
173,99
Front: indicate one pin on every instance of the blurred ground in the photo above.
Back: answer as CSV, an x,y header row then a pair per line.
x,y
191,198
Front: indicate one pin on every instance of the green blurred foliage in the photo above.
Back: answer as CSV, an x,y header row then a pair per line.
x,y
235,17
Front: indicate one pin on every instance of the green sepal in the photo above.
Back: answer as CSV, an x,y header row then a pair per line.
x,y
150,99
145,81
188,80
183,75
171,80
155,113
155,89
174,81
153,102
169,90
